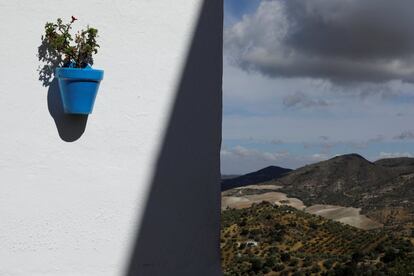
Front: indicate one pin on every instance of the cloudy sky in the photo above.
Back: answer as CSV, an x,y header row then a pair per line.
x,y
307,80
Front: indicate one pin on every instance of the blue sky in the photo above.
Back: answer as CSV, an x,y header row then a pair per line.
x,y
235,9
291,98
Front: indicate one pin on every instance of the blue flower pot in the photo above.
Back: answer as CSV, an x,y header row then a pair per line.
x,y
78,88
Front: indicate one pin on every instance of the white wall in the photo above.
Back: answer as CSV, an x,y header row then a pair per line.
x,y
135,191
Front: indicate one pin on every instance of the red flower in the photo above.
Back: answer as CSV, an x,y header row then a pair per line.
x,y
73,19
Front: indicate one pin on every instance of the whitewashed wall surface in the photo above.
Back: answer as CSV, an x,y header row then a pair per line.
x,y
132,189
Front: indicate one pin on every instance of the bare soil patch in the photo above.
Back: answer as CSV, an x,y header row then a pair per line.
x,y
348,215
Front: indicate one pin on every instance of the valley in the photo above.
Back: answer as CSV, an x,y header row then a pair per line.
x,y
346,188
343,216
347,215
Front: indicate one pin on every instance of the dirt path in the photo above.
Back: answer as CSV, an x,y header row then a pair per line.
x,y
272,197
347,215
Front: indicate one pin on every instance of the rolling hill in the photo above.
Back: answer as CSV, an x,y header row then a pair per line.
x,y
384,189
343,180
265,174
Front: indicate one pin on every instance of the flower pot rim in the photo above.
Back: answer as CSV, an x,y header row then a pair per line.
x,y
87,73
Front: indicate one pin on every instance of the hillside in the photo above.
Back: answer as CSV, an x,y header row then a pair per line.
x,y
383,190
229,176
266,174
269,240
342,180
396,162
400,165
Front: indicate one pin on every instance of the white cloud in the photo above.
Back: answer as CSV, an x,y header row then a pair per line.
x,y
395,154
242,152
356,130
300,99
240,160
319,157
350,41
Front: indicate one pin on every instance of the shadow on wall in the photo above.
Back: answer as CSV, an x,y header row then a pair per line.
x,y
70,127
179,233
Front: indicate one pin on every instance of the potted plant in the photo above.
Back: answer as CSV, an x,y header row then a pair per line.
x,y
78,81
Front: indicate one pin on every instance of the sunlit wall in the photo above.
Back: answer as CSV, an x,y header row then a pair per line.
x,y
74,191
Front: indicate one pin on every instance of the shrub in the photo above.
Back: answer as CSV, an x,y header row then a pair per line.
x,y
59,41
315,269
257,264
293,262
278,267
285,257
328,263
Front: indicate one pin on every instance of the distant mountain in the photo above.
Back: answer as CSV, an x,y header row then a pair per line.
x,y
266,174
383,189
229,176
396,162
400,165
342,179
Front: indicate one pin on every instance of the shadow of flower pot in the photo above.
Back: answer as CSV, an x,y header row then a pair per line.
x,y
70,127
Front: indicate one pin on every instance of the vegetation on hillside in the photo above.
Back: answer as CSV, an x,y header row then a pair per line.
x,y
269,240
